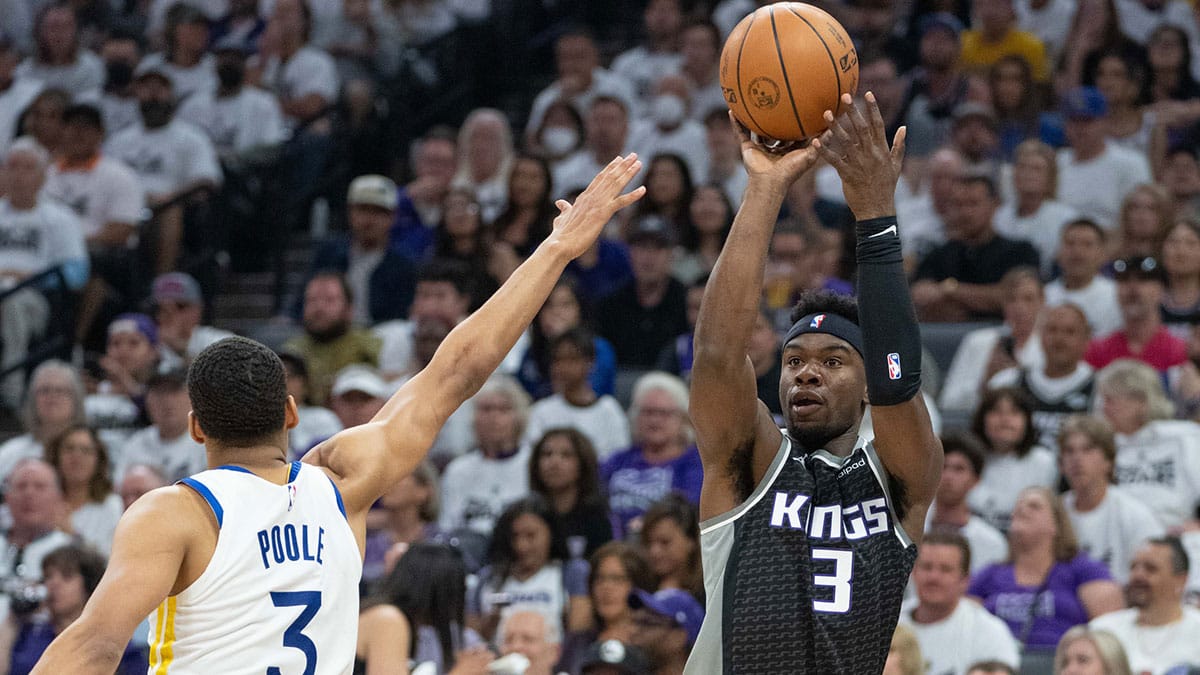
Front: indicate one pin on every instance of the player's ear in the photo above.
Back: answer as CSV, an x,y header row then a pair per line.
x,y
291,414
194,429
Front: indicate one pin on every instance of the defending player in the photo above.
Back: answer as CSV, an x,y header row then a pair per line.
x,y
254,564
808,535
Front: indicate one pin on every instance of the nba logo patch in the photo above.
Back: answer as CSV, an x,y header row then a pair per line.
x,y
817,321
893,366
292,495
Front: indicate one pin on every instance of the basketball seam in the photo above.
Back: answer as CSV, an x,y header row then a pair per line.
x,y
742,92
787,82
836,73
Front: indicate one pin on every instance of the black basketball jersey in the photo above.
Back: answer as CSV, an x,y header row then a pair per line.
x,y
807,575
1049,412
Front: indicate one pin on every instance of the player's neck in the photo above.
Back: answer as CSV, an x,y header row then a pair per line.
x,y
927,614
264,461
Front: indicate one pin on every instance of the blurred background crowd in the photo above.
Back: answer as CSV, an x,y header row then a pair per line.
x,y
346,180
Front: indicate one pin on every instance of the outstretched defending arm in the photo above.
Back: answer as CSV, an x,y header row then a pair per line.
x,y
724,405
368,460
904,438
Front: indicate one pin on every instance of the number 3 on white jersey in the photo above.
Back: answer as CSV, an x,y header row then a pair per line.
x,y
293,636
843,571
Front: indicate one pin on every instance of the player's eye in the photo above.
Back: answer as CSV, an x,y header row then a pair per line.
x,y
833,363
794,362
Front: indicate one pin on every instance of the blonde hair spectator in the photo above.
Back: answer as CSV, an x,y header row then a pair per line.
x,y
1104,647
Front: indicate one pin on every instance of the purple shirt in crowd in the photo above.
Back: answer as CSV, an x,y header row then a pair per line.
x,y
633,484
1058,604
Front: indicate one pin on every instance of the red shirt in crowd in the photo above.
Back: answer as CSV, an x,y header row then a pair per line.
x,y
1161,352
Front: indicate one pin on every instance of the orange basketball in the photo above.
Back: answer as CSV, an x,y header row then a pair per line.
x,y
783,66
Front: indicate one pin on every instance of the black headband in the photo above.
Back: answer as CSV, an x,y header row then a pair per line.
x,y
830,324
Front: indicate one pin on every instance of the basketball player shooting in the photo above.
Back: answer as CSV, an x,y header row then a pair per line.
x,y
808,535
254,565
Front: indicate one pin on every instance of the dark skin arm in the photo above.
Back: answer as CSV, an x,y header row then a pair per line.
x,y
724,407
904,439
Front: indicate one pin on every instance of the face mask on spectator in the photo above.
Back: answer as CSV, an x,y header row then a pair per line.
x,y
156,113
668,110
558,141
231,75
119,74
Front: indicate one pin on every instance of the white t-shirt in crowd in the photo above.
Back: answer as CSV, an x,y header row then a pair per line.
x,y
185,82
316,424
1191,592
1042,228
688,141
1098,300
48,234
1050,24
964,379
1154,649
1096,188
167,158
1004,476
544,593
13,102
248,119
95,522
119,113
1138,22
603,422
1159,466
643,69
106,191
475,489
988,545
175,458
308,71
83,77
969,635
1113,531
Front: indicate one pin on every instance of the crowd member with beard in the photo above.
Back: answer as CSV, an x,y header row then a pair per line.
x,y
172,158
329,342
121,54
236,117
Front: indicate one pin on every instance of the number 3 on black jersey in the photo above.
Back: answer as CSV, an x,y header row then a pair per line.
x,y
839,581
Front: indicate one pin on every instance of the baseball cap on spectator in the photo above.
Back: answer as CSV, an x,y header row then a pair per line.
x,y
1084,103
373,190
176,287
134,323
944,20
361,379
1140,267
615,655
975,110
674,604
653,230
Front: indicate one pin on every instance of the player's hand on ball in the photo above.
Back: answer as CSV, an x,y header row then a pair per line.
x,y
779,170
578,225
857,147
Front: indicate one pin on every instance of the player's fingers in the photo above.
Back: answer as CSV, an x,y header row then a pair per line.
x,y
830,154
562,205
738,128
630,197
859,123
898,145
838,129
878,131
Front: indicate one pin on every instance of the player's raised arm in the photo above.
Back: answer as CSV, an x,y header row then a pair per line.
x,y
858,148
724,405
369,459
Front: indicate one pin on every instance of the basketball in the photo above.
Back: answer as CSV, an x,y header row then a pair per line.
x,y
783,66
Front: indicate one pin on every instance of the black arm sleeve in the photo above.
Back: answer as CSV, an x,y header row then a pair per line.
x,y
891,336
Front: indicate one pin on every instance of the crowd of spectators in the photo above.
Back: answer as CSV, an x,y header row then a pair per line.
x,y
1049,211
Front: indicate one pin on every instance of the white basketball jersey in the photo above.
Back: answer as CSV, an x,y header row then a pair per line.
x,y
280,595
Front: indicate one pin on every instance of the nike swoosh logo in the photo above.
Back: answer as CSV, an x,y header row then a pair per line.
x,y
891,228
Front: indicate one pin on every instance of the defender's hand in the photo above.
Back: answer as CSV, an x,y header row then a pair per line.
x,y
778,170
857,147
578,225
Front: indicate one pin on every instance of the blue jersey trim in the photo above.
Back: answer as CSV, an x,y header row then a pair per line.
x,y
295,471
230,467
209,497
338,494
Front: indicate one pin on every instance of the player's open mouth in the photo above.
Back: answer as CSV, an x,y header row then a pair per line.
x,y
803,403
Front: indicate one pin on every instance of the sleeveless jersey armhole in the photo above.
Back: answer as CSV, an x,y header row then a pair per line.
x,y
781,457
337,494
213,503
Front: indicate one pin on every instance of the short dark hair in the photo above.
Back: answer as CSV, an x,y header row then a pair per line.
x,y
168,380
330,273
238,391
991,668
968,445
985,180
1180,565
84,113
1087,224
77,559
939,537
578,337
821,300
447,270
